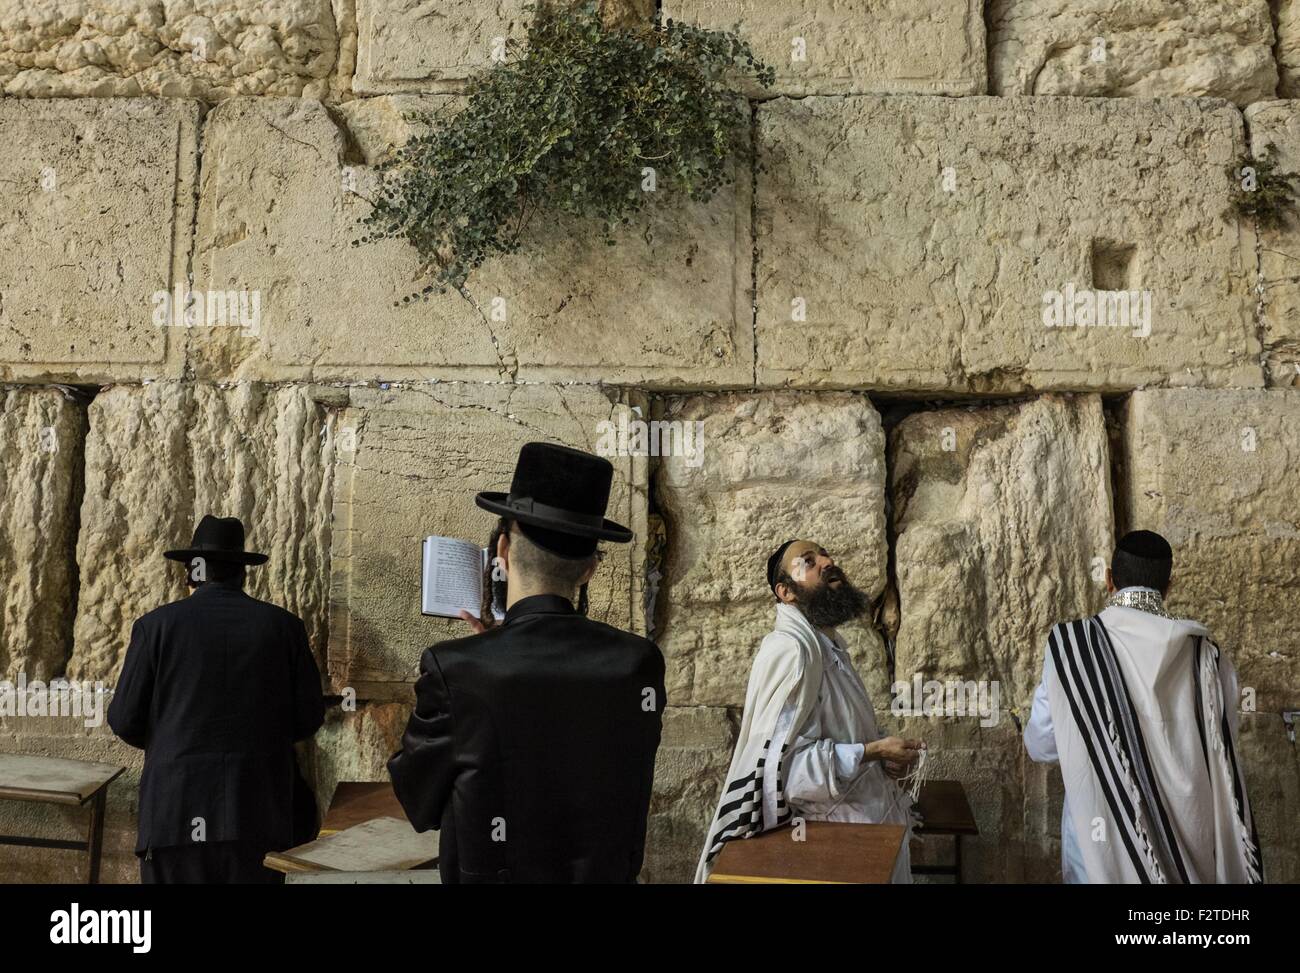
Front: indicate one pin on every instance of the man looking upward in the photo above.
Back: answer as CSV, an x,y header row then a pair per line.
x,y
809,746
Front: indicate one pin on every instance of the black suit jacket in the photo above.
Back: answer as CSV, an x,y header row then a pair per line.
x,y
216,688
532,746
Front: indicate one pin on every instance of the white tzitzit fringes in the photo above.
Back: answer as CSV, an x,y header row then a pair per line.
x,y
1213,708
1130,782
911,783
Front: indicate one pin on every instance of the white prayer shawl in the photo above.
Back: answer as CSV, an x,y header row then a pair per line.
x,y
1148,753
782,698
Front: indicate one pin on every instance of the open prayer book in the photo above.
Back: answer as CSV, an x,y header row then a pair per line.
x,y
452,577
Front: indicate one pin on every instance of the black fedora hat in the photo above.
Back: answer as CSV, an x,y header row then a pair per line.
x,y
558,496
217,539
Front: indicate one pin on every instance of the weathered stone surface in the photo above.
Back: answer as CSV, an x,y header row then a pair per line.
x,y
208,50
1286,27
774,466
158,457
417,456
41,433
855,47
277,218
356,745
690,772
1091,48
1001,514
909,286
1275,132
1273,782
405,45
1216,474
94,222
70,737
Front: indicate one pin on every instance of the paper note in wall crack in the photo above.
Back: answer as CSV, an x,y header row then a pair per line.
x,y
452,577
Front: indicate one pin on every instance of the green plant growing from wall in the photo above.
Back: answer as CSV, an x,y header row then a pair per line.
x,y
1261,191
583,122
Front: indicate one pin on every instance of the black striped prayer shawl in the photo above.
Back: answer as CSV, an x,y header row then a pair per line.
x,y
781,696
1092,682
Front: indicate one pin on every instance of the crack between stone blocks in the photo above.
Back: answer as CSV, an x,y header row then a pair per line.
x,y
1261,303
480,407
878,622
502,367
191,251
986,13
753,233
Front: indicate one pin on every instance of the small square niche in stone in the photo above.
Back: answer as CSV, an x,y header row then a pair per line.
x,y
1114,266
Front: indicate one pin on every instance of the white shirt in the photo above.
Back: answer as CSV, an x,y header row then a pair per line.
x,y
828,779
1040,741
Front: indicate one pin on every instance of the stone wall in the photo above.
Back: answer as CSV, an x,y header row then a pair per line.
x,y
867,326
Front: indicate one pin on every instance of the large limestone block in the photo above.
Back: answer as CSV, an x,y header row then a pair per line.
x,y
1195,48
41,432
1275,131
1287,51
1001,514
406,45
209,50
160,456
95,222
409,464
282,200
690,770
1286,26
774,466
1216,473
858,47
871,273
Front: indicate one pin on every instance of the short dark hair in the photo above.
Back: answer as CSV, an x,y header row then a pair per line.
x,y
1142,558
543,567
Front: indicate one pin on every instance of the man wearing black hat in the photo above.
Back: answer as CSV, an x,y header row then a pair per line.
x,y
1140,710
216,689
532,743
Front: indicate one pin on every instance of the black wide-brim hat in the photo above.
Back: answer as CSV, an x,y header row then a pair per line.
x,y
559,491
217,539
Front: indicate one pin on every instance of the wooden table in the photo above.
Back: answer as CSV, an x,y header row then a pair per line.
x,y
55,780
364,831
355,802
944,810
831,853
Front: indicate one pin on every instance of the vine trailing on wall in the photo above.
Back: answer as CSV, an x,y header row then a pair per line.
x,y
587,121
1262,192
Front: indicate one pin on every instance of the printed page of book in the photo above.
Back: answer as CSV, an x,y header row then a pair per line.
x,y
452,579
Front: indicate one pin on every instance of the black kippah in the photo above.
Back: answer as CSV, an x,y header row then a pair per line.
x,y
774,564
1145,544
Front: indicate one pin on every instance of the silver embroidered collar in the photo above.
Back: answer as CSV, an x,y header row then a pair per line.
x,y
1142,599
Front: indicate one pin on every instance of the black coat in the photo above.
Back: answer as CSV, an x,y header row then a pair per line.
x,y
532,746
216,689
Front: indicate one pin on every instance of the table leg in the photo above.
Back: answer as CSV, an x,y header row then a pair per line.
x,y
957,859
95,840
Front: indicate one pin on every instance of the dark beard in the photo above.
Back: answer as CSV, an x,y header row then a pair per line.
x,y
828,606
